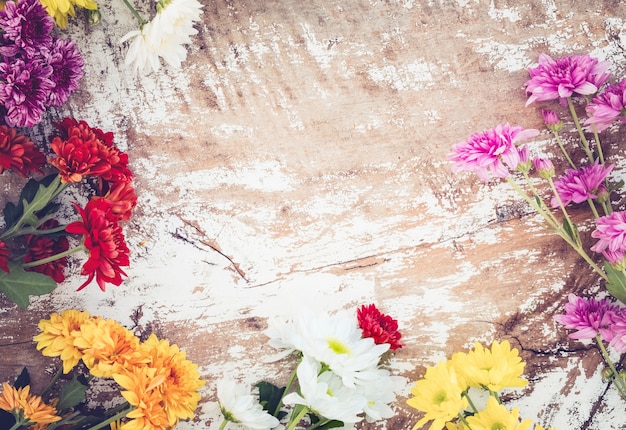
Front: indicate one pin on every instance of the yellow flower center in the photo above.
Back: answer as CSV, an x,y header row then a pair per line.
x,y
337,346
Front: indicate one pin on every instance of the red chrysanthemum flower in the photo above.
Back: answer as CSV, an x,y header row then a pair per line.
x,y
18,153
105,242
5,253
382,328
86,151
122,199
40,247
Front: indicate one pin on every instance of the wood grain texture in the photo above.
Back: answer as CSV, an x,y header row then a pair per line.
x,y
299,159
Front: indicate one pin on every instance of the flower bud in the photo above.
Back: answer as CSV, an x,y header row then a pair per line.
x,y
524,164
553,123
544,167
602,195
93,17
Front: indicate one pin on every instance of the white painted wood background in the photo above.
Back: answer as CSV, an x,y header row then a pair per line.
x,y
298,159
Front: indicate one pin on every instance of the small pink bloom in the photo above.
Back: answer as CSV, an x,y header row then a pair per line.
x,y
565,77
552,121
610,232
544,167
607,107
581,184
490,153
618,341
589,317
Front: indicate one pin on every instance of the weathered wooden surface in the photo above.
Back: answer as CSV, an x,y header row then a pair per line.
x,y
298,159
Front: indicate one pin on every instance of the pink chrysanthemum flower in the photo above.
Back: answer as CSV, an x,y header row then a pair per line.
x,y
610,232
607,107
544,167
589,317
578,185
490,153
565,77
552,120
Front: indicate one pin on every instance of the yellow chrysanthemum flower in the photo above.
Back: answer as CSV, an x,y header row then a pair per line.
x,y
438,394
497,416
107,346
140,391
181,379
31,407
60,9
494,369
538,427
57,337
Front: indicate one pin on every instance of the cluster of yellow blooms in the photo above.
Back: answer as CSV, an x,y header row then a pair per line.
x,y
443,393
159,383
61,9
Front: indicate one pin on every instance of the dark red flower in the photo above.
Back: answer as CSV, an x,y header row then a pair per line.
x,y
382,328
105,242
4,256
86,151
40,247
122,199
18,153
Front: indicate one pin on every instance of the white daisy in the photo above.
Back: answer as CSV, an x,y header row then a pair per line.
x,y
239,406
325,394
379,392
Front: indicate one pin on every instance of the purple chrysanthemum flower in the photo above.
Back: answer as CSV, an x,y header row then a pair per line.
x,y
610,232
26,28
24,89
558,79
589,317
490,153
581,184
608,107
67,69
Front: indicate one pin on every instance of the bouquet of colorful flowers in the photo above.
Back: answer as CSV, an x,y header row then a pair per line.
x,y
339,379
158,385
581,84
34,246
464,393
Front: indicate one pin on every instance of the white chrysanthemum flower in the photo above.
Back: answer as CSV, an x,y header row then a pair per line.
x,y
164,36
239,406
325,394
380,392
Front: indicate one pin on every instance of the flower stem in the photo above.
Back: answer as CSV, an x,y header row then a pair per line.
x,y
464,420
295,420
583,139
54,257
292,378
593,208
471,403
54,380
223,425
318,424
560,142
142,21
618,381
111,419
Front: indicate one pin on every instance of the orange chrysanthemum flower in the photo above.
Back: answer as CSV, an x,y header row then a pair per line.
x,y
181,379
107,347
30,406
140,390
58,334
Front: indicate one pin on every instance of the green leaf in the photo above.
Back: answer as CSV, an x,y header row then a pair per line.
x,y
270,396
616,284
33,202
22,380
571,230
18,285
72,393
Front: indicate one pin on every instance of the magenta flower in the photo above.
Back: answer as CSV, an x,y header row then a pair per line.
x,y
581,184
552,121
610,232
565,77
26,27
544,167
24,88
67,69
589,317
490,153
607,107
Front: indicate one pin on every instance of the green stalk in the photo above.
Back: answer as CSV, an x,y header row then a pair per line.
x,y
583,139
54,380
295,420
111,419
292,378
618,381
560,142
142,21
223,425
464,420
55,257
